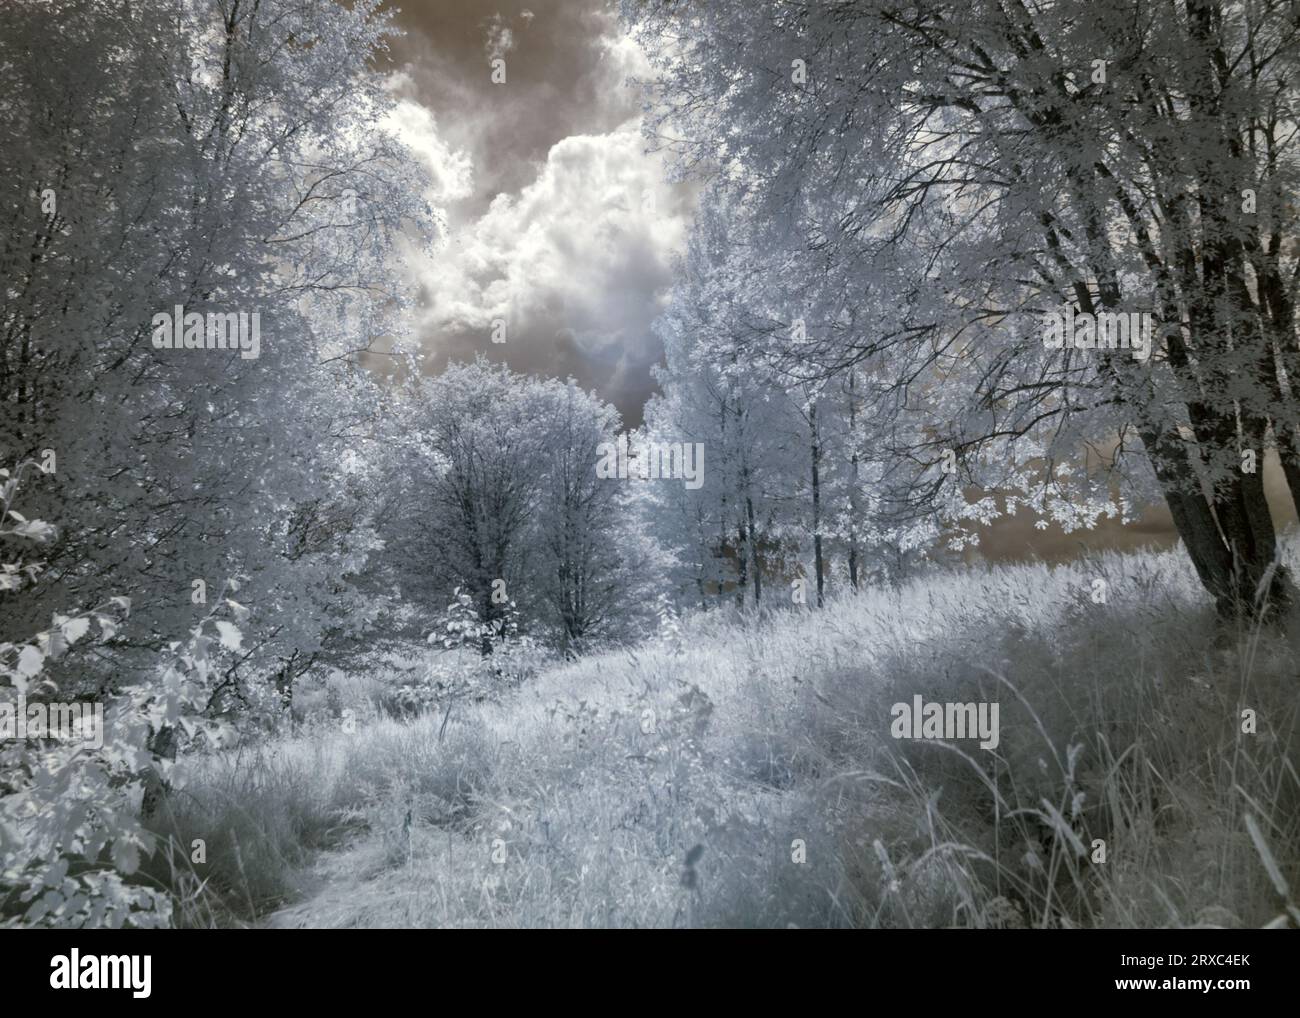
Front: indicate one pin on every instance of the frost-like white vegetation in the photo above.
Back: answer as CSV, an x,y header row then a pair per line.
x,y
682,783
865,351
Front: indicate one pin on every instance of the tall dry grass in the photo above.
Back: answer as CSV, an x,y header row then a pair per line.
x,y
743,774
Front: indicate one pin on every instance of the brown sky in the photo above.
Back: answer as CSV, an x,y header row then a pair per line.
x,y
1016,539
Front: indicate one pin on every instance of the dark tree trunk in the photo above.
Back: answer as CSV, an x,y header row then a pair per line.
x,y
742,564
755,568
817,506
853,482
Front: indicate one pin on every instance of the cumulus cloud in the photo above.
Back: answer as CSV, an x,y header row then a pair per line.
x,y
558,223
451,170
576,264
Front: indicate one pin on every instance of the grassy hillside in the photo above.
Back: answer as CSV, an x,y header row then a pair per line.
x,y
742,772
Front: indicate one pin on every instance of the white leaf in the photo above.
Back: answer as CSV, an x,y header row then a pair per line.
x,y
75,629
231,637
30,662
37,530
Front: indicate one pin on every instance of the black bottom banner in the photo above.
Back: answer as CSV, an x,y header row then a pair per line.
x,y
1220,969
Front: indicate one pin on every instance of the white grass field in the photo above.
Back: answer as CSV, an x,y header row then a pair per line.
x,y
743,774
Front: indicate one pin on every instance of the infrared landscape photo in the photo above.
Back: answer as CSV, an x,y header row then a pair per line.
x,y
634,464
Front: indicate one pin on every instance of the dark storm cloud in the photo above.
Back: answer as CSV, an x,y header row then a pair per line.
x,y
560,81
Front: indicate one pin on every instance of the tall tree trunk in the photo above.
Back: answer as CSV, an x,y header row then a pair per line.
x,y
1288,451
817,505
722,512
853,482
1225,525
1221,316
742,564
754,566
